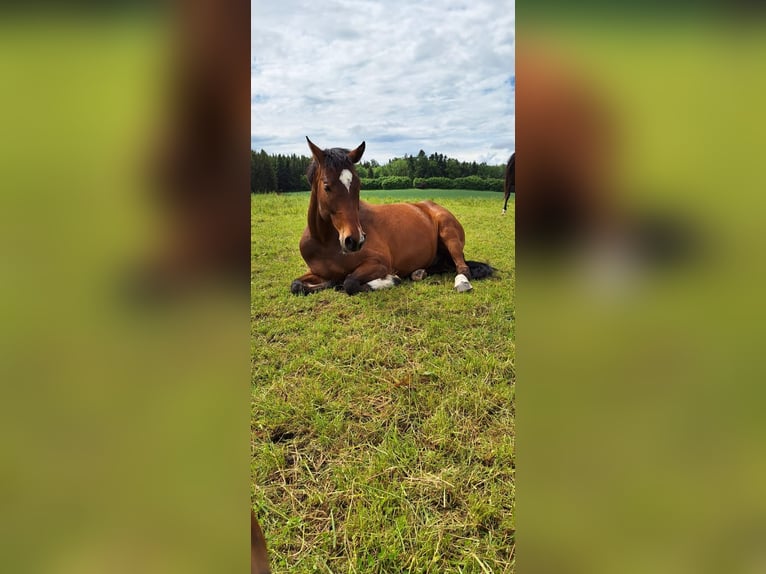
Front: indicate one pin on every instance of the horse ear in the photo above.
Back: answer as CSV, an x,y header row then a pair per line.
x,y
356,155
315,151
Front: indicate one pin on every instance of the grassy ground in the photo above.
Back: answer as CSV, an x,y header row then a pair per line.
x,y
383,424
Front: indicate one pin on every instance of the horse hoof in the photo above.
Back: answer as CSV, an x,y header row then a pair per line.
x,y
396,280
352,286
298,288
418,275
462,284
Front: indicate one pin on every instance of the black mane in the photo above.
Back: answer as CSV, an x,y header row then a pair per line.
x,y
335,158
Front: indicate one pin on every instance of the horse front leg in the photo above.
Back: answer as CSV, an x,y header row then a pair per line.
x,y
370,276
310,283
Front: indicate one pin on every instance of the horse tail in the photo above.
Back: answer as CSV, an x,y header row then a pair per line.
x,y
480,270
444,264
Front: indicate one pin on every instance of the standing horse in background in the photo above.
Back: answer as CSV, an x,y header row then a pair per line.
x,y
364,247
510,179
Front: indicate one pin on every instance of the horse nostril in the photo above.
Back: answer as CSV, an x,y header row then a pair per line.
x,y
351,244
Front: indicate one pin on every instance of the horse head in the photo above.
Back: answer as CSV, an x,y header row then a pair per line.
x,y
335,185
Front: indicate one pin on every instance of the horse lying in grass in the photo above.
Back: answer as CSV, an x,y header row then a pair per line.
x,y
356,246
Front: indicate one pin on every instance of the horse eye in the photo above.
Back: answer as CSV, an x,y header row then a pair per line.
x,y
327,188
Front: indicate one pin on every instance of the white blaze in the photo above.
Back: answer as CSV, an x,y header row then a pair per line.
x,y
345,178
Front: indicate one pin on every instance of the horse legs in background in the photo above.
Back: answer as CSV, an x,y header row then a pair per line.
x,y
510,179
508,192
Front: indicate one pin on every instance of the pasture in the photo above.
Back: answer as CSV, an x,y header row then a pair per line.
x,y
382,425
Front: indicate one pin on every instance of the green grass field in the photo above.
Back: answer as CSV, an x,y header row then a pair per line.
x,y
383,424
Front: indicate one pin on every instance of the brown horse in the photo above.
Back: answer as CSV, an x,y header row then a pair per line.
x,y
510,179
364,247
259,559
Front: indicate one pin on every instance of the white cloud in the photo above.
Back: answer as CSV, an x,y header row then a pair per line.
x,y
401,75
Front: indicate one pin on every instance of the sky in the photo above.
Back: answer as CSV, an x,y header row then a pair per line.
x,y
401,75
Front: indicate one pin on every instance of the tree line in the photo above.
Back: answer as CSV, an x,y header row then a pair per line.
x,y
286,173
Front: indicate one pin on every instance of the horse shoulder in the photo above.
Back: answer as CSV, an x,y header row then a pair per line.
x,y
307,243
314,253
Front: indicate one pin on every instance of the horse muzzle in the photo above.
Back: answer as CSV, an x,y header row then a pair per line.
x,y
350,244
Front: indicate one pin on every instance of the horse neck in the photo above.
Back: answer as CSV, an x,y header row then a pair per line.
x,y
320,229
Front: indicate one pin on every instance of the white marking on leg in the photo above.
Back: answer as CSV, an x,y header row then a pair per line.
x,y
345,178
462,284
385,283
